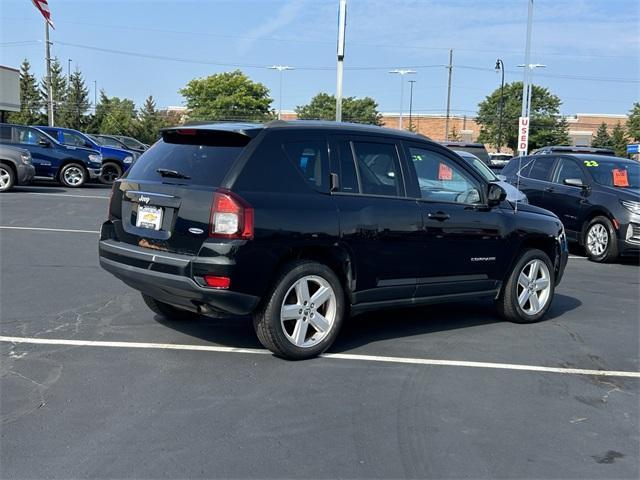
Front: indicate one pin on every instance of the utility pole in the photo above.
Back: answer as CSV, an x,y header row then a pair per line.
x,y
95,95
500,67
281,69
446,121
402,72
49,86
411,105
342,27
69,70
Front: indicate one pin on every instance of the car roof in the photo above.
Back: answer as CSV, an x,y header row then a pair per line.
x,y
462,144
252,129
596,158
577,148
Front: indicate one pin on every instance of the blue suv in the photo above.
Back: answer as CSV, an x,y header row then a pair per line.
x,y
71,166
115,161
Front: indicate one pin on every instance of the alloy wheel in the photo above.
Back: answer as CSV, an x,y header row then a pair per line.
x,y
5,178
308,311
109,174
534,287
73,176
597,239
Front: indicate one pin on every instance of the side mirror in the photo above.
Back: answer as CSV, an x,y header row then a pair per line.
x,y
502,178
574,182
495,195
44,143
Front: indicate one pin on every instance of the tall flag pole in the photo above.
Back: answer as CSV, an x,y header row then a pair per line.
x,y
43,8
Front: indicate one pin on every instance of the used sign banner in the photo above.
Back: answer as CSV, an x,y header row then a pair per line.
x,y
523,135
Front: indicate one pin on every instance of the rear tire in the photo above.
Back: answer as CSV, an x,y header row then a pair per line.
x,y
7,177
168,311
302,315
73,175
529,290
600,240
110,172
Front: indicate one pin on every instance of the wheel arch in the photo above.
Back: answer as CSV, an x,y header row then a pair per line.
x,y
594,212
11,164
547,244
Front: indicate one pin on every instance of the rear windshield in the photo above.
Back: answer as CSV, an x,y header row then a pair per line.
x,y
479,152
204,157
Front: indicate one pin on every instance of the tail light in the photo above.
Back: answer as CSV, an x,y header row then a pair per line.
x,y
231,216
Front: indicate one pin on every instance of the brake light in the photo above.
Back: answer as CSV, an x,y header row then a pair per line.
x,y
217,282
231,216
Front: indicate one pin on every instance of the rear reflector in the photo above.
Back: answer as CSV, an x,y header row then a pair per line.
x,y
217,282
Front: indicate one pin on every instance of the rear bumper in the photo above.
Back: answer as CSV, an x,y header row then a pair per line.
x,y
166,277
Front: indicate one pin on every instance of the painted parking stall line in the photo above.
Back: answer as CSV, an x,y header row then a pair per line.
x,y
13,195
41,229
333,356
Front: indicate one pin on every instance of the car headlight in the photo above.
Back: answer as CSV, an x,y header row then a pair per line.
x,y
633,207
95,158
25,158
128,159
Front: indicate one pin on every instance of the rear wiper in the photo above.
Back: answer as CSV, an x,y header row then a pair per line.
x,y
165,172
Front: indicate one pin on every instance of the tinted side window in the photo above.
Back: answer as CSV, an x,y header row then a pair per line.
x,y
345,167
442,180
27,136
308,156
5,134
541,168
568,168
73,139
379,168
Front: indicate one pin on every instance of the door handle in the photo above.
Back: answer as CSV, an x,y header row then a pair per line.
x,y
439,216
549,189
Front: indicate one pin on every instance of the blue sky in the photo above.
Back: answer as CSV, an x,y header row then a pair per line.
x,y
138,48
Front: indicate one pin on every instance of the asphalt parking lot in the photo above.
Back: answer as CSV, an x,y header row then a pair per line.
x,y
440,392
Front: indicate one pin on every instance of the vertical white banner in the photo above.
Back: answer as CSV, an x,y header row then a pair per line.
x,y
523,135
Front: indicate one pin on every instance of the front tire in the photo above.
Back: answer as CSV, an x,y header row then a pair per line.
x,y
601,240
168,311
304,312
73,175
529,290
111,171
7,177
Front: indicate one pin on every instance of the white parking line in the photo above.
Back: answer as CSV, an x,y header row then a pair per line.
x,y
54,195
38,229
337,356
576,256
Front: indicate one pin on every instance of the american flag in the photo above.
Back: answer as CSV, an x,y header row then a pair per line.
x,y
43,6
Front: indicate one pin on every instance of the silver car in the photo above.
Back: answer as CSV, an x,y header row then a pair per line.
x,y
513,194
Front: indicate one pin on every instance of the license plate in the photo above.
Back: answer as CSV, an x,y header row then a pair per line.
x,y
149,217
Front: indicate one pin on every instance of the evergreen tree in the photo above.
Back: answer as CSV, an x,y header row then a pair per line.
x,y
619,140
633,124
602,138
149,122
114,116
357,110
30,105
76,104
58,87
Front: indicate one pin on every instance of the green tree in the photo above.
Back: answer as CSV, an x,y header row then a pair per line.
x,y
30,103
227,96
58,87
150,121
633,123
114,116
619,140
357,110
547,126
76,104
602,138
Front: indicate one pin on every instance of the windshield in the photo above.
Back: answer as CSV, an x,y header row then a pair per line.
x,y
614,173
131,142
474,161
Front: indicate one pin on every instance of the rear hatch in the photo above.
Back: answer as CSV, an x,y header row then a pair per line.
x,y
164,202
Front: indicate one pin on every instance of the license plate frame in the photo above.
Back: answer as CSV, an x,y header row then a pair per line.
x,y
149,217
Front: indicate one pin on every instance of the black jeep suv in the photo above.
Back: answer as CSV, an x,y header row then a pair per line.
x,y
303,223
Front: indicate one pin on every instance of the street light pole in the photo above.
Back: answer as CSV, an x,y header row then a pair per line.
x,y
527,61
411,105
530,68
49,86
402,72
68,69
500,67
342,30
281,69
